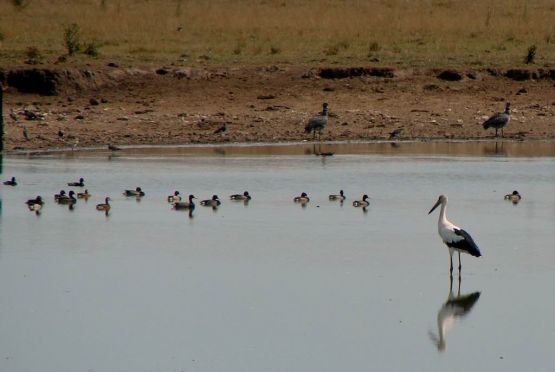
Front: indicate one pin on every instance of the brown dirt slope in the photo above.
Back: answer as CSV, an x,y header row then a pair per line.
x,y
95,106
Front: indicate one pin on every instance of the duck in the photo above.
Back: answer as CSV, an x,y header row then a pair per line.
x,y
341,197
81,183
83,195
514,197
104,206
174,198
302,199
214,202
67,199
35,205
362,203
11,182
136,192
245,196
37,200
185,205
60,195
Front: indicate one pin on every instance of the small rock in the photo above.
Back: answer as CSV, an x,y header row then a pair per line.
x,y
162,71
521,91
79,117
94,102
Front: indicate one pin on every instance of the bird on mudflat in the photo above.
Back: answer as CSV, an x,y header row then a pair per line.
x,y
11,182
456,239
317,123
499,120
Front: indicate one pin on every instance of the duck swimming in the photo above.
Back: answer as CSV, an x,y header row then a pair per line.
x,y
60,195
302,199
214,202
104,206
83,195
341,197
362,203
174,198
136,192
67,199
11,182
81,183
245,196
185,205
35,204
514,197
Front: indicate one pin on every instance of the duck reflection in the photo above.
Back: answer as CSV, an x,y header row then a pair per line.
x,y
451,311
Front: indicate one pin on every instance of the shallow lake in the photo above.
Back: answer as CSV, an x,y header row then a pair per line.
x,y
272,286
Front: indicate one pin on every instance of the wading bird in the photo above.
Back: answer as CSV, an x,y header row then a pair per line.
x,y
318,122
499,119
453,236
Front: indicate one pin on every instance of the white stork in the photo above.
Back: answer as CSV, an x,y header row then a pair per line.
x,y
453,236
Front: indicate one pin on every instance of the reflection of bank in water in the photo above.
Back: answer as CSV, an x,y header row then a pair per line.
x,y
450,312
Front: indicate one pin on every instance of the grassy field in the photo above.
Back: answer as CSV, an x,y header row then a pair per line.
x,y
437,33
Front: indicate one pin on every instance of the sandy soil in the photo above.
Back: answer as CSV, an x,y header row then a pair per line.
x,y
272,104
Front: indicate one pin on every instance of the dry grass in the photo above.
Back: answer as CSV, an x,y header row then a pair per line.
x,y
418,33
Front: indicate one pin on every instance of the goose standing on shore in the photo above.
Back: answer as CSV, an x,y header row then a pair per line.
x,y
456,239
317,123
499,119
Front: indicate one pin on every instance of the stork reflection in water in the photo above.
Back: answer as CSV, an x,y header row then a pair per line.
x,y
455,308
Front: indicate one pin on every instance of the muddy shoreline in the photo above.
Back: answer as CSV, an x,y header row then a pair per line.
x,y
101,105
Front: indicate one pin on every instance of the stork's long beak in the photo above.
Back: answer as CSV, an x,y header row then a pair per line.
x,y
435,206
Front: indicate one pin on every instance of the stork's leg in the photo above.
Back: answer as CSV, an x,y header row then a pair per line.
x,y
451,269
460,264
501,132
496,132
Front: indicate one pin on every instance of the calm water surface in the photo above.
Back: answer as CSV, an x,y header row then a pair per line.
x,y
272,286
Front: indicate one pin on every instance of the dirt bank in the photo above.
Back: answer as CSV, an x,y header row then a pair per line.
x,y
88,106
